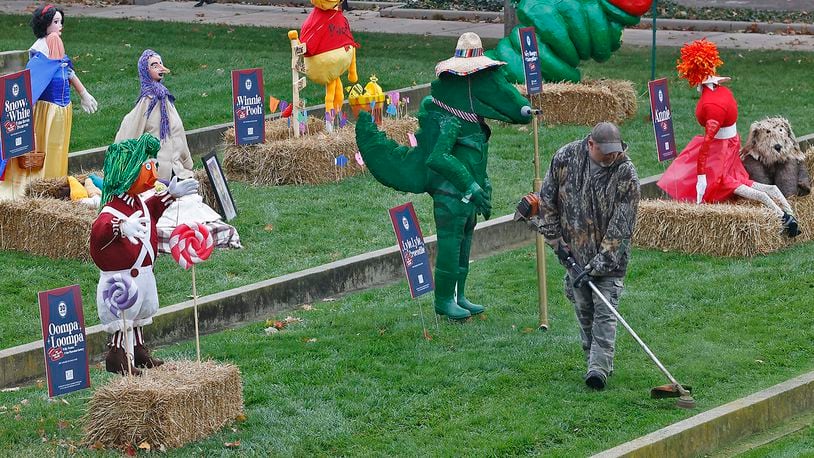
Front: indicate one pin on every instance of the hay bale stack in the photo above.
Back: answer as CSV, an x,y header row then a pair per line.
x,y
177,403
713,229
586,103
305,160
35,224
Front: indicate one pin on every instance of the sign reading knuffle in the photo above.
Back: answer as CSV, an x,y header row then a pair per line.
x,y
249,112
16,115
63,333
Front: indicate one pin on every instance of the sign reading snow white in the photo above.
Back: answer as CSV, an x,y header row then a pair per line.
x,y
413,251
531,60
247,100
16,115
63,332
662,119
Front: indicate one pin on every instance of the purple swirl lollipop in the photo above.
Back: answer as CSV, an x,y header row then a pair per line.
x,y
120,293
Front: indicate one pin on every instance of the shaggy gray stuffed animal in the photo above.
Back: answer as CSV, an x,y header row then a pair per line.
x,y
772,155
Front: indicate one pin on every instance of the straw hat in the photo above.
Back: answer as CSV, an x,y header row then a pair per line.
x,y
468,57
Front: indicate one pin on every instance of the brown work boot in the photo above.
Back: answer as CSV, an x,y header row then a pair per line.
x,y
116,362
144,359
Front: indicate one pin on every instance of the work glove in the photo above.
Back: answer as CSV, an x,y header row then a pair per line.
x,y
135,227
580,276
88,102
182,188
563,251
476,195
700,188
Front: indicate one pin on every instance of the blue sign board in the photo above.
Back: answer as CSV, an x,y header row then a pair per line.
x,y
662,119
16,115
63,332
413,250
247,101
531,60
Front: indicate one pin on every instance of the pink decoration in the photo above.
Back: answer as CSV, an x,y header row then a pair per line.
x,y
191,244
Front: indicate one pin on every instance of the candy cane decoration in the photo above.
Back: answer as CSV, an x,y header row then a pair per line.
x,y
119,294
190,245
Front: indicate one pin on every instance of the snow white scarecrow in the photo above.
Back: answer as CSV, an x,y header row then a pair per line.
x,y
709,169
123,244
52,76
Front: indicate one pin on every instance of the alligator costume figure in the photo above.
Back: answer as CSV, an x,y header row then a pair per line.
x,y
568,32
449,162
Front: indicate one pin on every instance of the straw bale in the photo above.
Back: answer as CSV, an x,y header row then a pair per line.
x,y
205,188
308,159
737,228
52,187
278,129
35,224
177,403
585,103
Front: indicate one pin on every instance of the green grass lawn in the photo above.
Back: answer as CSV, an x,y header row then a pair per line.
x,y
369,385
767,83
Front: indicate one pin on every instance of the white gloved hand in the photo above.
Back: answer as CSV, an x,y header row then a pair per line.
x,y
88,102
182,188
135,227
700,188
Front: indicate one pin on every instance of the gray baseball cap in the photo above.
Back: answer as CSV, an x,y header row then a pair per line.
x,y
607,137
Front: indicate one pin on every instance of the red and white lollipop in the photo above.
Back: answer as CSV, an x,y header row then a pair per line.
x,y
191,244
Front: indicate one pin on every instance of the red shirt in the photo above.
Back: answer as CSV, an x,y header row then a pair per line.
x,y
109,249
718,105
325,31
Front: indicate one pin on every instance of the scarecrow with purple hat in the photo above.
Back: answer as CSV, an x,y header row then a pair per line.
x,y
449,162
155,114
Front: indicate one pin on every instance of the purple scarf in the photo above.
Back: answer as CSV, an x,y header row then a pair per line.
x,y
156,90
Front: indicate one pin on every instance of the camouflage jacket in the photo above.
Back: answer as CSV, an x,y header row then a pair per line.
x,y
593,212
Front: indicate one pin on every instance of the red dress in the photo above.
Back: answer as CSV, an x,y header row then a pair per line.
x,y
715,154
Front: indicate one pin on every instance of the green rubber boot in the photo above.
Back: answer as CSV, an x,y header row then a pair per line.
x,y
445,297
473,308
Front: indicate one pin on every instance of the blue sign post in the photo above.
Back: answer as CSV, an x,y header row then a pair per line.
x,y
249,111
413,252
16,116
63,333
531,60
662,119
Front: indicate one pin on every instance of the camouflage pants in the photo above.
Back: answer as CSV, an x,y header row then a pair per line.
x,y
597,323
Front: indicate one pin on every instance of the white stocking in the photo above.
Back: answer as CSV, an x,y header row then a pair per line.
x,y
775,193
760,196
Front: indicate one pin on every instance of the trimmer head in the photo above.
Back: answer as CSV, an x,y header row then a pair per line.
x,y
685,402
669,391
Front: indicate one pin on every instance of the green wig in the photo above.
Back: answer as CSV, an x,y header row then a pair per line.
x,y
123,162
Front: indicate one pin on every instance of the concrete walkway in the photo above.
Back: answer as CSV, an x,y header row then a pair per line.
x,y
370,21
775,5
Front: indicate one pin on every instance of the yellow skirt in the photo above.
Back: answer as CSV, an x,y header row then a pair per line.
x,y
52,136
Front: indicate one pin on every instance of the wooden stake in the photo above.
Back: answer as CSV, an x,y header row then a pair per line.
x,y
540,242
195,309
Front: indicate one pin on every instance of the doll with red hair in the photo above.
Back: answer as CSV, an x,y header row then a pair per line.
x,y
709,169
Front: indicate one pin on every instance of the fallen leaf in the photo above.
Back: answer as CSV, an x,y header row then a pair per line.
x,y
234,444
759,361
307,307
204,66
24,402
204,94
145,446
271,330
241,417
16,408
382,331
210,35
65,401
427,335
62,424
129,450
40,384
268,227
328,299
127,45
482,316
527,330
162,448
9,390
98,445
279,324
292,319
311,340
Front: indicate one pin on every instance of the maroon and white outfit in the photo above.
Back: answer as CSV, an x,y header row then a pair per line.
x,y
115,254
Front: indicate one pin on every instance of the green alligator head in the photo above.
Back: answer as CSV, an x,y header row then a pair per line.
x,y
486,93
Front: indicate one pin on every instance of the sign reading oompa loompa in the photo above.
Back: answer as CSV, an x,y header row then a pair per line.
x,y
63,333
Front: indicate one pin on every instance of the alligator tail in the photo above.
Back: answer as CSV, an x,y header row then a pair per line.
x,y
396,166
